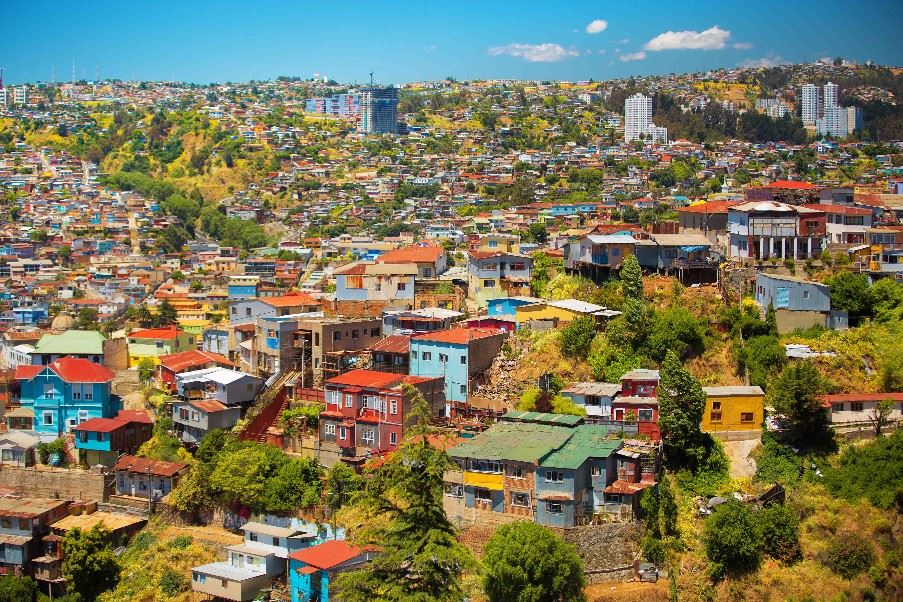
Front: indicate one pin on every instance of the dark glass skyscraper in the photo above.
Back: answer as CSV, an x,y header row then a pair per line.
x,y
379,110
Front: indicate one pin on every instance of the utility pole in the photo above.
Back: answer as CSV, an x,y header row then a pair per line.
x,y
371,79
149,491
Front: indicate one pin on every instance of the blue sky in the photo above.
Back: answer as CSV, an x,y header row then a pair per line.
x,y
410,40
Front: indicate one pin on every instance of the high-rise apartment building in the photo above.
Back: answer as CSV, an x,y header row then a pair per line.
x,y
830,95
379,110
344,105
810,104
637,116
834,122
854,119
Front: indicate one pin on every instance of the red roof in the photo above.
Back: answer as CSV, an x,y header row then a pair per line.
x,y
792,185
827,400
27,372
422,253
158,468
710,207
134,416
101,425
459,336
186,360
168,332
839,209
396,343
328,554
293,300
367,378
78,370
211,406
626,487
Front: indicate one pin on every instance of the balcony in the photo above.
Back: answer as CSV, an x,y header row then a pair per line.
x,y
600,259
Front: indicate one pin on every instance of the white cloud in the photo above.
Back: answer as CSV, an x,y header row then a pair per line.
x,y
535,53
742,45
596,26
633,56
713,38
771,60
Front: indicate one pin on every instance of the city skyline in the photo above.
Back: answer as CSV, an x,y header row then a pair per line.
x,y
233,41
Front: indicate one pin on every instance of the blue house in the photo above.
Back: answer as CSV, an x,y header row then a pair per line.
x,y
311,570
456,354
65,393
30,314
798,303
506,306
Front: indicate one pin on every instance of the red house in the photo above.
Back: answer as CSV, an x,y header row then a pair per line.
x,y
366,411
637,401
193,359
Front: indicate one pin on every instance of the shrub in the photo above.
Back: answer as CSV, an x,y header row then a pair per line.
x,y
780,532
733,540
173,583
776,463
181,541
577,337
849,554
653,550
873,471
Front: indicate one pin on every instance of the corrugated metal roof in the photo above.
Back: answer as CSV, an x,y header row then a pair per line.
x,y
543,417
587,441
513,441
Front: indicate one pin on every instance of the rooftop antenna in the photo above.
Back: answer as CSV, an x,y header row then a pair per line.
x,y
371,79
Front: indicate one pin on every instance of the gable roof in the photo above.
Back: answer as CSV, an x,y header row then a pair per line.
x,y
458,336
422,253
291,300
367,378
157,468
166,333
79,370
101,425
179,362
328,554
79,342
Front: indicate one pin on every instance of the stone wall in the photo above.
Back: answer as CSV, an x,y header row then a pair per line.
x,y
59,483
608,551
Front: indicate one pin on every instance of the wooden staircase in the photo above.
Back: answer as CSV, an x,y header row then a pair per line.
x,y
268,408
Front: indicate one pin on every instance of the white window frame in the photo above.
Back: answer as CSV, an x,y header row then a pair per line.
x,y
514,495
368,436
393,407
44,418
329,429
554,476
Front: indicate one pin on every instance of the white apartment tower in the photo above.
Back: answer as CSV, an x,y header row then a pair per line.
x,y
637,116
830,96
810,104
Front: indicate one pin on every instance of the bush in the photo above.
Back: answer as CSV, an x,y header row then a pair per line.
x,y
780,532
181,541
849,554
776,463
873,471
733,540
173,583
577,337
653,550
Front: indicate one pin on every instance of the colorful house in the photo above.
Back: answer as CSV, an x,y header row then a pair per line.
x,y
66,393
457,355
562,311
150,479
186,361
154,343
103,440
493,274
311,570
733,409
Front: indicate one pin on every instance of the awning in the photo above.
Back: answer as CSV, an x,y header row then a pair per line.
x,y
692,248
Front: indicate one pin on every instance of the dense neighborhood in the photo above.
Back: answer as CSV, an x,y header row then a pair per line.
x,y
300,340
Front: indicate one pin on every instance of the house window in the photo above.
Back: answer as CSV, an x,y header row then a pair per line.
x,y
805,294
101,437
276,541
644,415
427,356
443,358
82,436
159,345
393,438
463,389
348,400
553,507
413,355
518,267
247,312
520,498
486,466
746,417
463,359
516,472
554,476
76,395
374,332
329,429
48,418
454,490
48,390
183,414
855,406
336,336
402,286
489,284
715,416
837,407
393,407
596,471
89,396
367,436
342,432
482,495
354,334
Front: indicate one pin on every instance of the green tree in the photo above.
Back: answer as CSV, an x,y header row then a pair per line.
x,y
780,528
18,589
850,292
87,319
849,554
536,232
733,540
675,329
343,484
632,278
771,320
89,565
760,357
795,394
681,403
166,314
146,369
421,558
296,484
243,471
880,416
577,337
526,562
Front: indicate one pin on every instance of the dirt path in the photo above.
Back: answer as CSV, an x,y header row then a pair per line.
x,y
628,592
742,465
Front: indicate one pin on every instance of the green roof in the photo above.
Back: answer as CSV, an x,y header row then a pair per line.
x,y
588,441
513,441
71,342
544,444
543,417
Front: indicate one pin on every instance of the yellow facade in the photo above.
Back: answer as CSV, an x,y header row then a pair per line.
x,y
733,413
495,482
541,311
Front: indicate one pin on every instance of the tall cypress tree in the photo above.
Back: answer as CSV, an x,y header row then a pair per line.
x,y
632,278
681,403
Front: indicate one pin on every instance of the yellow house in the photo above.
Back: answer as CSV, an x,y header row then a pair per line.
x,y
564,310
733,409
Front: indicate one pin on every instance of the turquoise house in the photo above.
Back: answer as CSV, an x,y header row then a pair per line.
x,y
312,569
66,393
